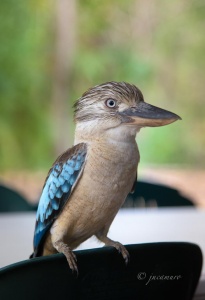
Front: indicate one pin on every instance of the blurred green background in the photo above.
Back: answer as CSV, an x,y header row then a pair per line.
x,y
52,51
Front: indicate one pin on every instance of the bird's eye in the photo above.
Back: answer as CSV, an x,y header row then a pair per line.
x,y
111,103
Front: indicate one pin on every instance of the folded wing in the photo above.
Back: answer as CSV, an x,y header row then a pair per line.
x,y
61,179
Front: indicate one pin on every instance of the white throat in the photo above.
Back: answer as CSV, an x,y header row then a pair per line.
x,y
88,132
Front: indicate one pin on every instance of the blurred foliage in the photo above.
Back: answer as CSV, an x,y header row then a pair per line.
x,y
157,45
24,84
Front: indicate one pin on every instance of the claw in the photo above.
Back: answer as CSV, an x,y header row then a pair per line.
x,y
70,256
121,249
72,260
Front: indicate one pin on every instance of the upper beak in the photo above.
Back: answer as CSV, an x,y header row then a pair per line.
x,y
145,114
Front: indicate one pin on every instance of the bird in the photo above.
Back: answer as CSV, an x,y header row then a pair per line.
x,y
88,183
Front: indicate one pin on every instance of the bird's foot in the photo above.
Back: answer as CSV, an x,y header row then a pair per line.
x,y
70,256
121,249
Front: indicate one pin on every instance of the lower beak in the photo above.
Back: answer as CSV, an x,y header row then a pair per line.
x,y
148,115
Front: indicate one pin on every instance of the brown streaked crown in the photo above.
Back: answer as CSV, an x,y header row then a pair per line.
x,y
121,91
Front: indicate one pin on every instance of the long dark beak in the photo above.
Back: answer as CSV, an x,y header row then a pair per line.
x,y
145,114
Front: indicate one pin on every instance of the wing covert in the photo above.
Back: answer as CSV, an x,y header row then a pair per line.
x,y
57,189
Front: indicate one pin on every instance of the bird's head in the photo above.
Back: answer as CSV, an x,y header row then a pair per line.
x,y
117,107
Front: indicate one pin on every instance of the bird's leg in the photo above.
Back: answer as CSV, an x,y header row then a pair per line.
x,y
61,247
120,248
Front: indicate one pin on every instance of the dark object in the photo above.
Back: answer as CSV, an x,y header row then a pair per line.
x,y
150,194
11,201
174,269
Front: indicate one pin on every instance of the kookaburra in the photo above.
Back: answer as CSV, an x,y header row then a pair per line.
x,y
89,182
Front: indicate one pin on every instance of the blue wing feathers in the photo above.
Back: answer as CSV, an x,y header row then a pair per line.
x,y
57,189
59,193
66,187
